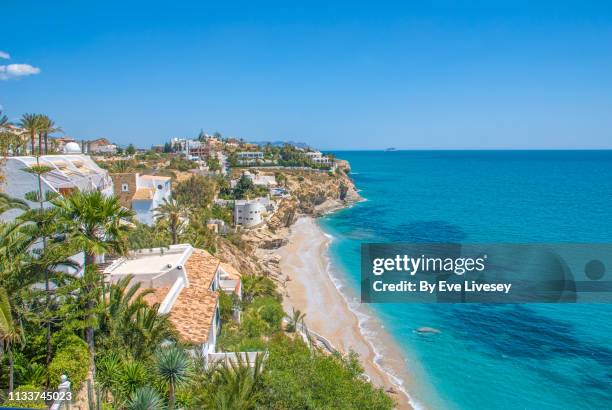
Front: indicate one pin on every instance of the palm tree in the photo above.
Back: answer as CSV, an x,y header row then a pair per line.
x,y
295,320
10,332
4,122
130,323
256,286
121,167
94,225
239,383
46,127
31,123
174,215
173,368
7,202
146,398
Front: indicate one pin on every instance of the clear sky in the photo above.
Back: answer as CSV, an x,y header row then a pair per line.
x,y
337,75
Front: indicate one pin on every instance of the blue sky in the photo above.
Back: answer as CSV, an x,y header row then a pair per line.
x,y
337,75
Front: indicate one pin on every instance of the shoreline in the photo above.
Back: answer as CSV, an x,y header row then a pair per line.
x,y
311,288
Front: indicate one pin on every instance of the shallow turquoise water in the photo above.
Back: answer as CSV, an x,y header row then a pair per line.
x,y
489,356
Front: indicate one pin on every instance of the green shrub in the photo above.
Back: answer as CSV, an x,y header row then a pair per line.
x,y
297,378
253,325
226,306
270,310
255,344
71,359
29,404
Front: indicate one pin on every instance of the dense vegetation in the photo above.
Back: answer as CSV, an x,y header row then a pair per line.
x,y
245,188
116,349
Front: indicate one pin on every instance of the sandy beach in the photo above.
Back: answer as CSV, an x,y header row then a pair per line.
x,y
311,290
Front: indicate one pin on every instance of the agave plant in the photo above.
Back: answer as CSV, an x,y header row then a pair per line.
x,y
146,398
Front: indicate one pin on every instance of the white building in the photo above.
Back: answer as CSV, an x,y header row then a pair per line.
x,y
192,149
142,193
67,173
186,283
250,157
251,212
267,181
101,146
318,158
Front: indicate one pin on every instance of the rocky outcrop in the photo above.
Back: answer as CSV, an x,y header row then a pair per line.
x,y
312,193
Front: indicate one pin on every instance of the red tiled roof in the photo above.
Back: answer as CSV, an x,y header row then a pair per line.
x,y
194,310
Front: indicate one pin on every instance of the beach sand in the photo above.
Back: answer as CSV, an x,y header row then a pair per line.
x,y
311,290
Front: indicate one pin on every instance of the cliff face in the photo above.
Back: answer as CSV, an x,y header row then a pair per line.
x,y
312,193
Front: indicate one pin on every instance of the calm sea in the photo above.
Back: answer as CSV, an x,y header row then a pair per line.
x,y
488,356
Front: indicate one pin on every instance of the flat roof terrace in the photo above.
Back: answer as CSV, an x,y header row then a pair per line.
x,y
157,267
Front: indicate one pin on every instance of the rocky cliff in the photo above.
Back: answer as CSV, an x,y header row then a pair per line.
x,y
311,193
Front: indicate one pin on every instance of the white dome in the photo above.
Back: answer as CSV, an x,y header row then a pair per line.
x,y
72,148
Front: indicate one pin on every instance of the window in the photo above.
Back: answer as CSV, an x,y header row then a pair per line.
x,y
125,188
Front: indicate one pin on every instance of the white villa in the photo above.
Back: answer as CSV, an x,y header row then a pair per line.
x,y
142,193
101,146
186,284
267,181
250,157
318,158
251,212
68,173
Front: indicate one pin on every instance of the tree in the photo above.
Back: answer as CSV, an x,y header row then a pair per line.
x,y
197,191
31,123
201,136
213,164
239,383
122,166
94,225
130,150
173,368
244,187
129,324
255,286
295,320
173,215
7,202
10,332
4,122
46,127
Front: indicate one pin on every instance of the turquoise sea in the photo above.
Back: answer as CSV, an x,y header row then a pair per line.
x,y
487,356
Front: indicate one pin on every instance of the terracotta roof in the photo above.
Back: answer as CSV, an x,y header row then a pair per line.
x,y
143,193
194,310
157,296
100,141
162,178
